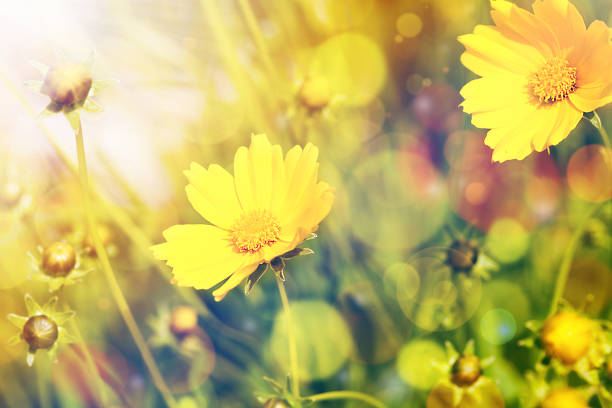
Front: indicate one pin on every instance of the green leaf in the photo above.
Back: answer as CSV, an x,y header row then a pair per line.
x,y
34,85
100,84
49,307
295,252
31,306
40,67
255,277
18,321
14,340
92,106
62,317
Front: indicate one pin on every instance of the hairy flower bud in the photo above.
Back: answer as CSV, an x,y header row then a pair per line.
x,y
275,403
67,84
10,194
462,255
58,259
315,93
466,371
40,332
184,320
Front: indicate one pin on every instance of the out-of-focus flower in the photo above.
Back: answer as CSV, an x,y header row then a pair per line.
x,y
465,387
575,340
58,265
42,328
315,93
184,320
265,210
564,398
70,87
540,71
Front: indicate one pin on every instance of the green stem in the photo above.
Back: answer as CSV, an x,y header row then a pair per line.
x,y
568,256
335,395
41,380
114,287
293,355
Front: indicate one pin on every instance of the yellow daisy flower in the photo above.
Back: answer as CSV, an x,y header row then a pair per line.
x,y
540,72
265,210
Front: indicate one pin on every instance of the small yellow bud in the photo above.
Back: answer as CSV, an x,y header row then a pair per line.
x,y
564,398
466,371
315,93
275,403
184,320
10,194
58,259
462,255
40,332
106,237
67,84
567,336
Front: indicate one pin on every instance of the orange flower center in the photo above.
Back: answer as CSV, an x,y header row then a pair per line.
x,y
254,230
554,81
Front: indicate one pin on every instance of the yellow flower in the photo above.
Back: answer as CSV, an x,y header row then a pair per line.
x,y
568,336
564,398
265,210
540,71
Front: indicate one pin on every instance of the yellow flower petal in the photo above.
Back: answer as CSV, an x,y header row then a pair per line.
x,y
211,193
200,255
233,281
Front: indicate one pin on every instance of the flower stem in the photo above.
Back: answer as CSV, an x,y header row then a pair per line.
x,y
568,256
293,355
335,395
114,287
41,381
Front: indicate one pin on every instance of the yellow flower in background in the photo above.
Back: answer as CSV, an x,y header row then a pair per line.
x,y
540,72
265,210
564,398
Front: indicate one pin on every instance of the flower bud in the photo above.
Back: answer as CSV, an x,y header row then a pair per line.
x,y
67,84
10,194
462,255
275,403
58,259
564,398
40,332
466,371
184,320
106,237
315,93
567,336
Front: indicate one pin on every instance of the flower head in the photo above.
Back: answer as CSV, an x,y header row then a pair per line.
x,y
69,87
42,328
264,211
58,264
540,72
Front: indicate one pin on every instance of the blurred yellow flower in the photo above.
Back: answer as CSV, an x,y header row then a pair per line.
x,y
568,336
265,210
564,398
540,72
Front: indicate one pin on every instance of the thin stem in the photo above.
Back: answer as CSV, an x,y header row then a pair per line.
x,y
41,380
114,287
596,121
568,256
293,354
335,395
